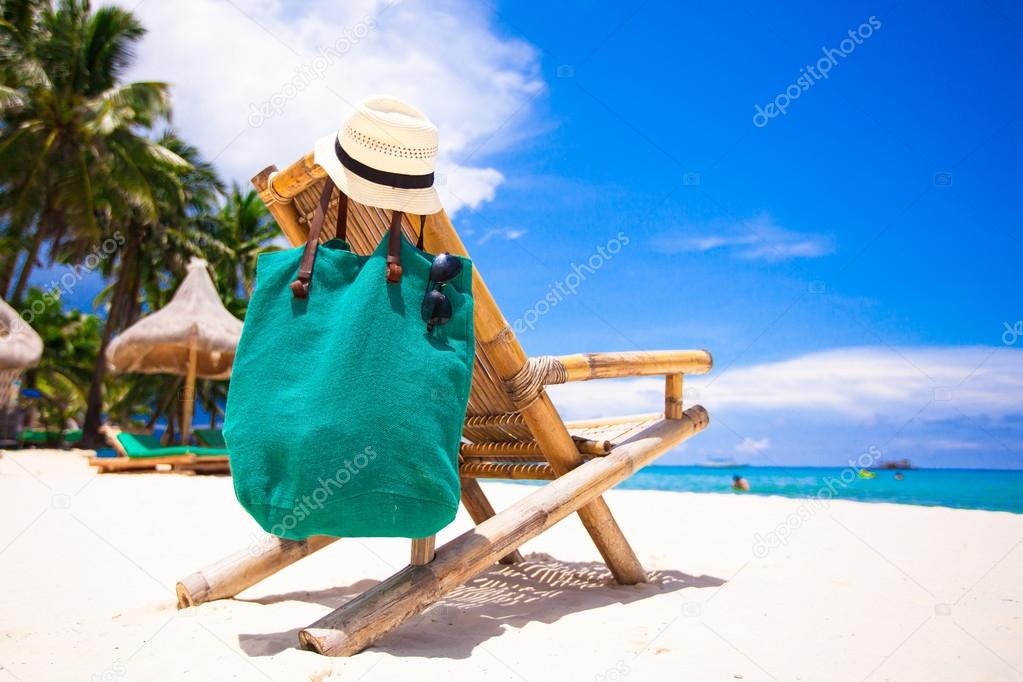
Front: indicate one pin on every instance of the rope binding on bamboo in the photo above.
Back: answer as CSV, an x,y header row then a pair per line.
x,y
525,386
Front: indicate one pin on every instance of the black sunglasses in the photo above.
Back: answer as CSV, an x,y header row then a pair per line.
x,y
436,308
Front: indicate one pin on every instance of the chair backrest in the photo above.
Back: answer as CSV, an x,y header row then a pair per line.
x,y
292,196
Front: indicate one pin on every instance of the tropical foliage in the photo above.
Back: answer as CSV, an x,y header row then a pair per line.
x,y
90,176
71,340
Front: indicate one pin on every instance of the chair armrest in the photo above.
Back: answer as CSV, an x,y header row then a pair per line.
x,y
585,366
549,369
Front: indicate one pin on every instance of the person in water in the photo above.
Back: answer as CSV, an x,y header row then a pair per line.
x,y
899,476
739,483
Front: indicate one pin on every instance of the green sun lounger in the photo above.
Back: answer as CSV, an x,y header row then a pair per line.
x,y
42,437
147,445
138,452
211,438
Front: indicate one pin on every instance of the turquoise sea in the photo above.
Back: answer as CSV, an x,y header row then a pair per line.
x,y
960,488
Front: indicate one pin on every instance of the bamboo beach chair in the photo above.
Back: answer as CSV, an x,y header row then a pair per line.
x,y
512,431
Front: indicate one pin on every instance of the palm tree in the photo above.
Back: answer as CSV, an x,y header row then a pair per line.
x,y
244,230
151,261
75,158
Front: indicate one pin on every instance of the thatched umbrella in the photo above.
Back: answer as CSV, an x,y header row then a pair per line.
x,y
194,335
20,349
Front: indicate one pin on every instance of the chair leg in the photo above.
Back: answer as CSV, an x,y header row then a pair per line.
x,y
560,451
423,550
480,509
245,568
363,620
614,549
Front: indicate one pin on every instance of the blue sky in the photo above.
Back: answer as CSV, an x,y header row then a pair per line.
x,y
852,263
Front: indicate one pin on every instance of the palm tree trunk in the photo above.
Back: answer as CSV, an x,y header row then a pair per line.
x,y
26,270
165,404
7,273
120,302
10,261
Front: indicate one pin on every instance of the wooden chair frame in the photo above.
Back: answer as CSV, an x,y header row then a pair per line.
x,y
580,468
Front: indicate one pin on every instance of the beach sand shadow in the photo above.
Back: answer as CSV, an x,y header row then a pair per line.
x,y
540,589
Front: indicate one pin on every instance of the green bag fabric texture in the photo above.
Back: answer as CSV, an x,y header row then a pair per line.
x,y
344,415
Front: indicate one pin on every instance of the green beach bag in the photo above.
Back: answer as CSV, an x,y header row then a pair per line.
x,y
349,389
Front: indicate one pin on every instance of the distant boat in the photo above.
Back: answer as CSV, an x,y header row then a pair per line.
x,y
895,464
721,463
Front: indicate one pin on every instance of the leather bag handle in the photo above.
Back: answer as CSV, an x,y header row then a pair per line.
x,y
394,246
300,287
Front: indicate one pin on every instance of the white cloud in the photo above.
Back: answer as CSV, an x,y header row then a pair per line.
x,y
758,238
257,81
917,444
854,384
507,234
751,446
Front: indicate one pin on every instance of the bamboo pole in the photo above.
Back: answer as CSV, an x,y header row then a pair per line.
x,y
245,568
673,396
188,404
422,550
585,366
612,421
363,620
485,449
283,211
292,180
480,509
508,471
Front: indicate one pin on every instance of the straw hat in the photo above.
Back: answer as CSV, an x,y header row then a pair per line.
x,y
384,156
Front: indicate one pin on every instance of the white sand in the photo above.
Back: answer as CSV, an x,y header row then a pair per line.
x,y
859,591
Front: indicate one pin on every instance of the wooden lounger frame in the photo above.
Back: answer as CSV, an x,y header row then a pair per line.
x,y
513,429
187,463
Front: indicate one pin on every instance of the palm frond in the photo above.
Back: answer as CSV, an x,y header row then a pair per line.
x,y
108,46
